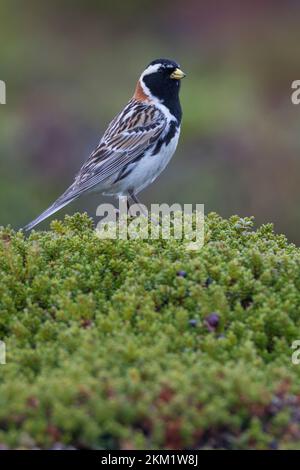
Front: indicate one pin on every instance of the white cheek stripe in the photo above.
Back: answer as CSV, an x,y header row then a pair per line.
x,y
150,69
146,89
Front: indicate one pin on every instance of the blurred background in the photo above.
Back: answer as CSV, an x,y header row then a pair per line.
x,y
69,67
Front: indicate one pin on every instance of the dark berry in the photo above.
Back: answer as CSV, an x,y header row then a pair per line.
x,y
273,445
212,321
246,302
193,322
181,274
208,281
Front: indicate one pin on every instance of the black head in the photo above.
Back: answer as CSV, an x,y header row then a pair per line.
x,y
162,78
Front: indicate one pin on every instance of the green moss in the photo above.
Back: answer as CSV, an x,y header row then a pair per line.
x,y
109,346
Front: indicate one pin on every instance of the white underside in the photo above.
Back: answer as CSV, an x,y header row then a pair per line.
x,y
144,173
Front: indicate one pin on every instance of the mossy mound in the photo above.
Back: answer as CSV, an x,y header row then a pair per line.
x,y
142,344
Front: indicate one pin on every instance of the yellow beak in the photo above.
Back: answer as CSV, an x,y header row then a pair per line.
x,y
177,74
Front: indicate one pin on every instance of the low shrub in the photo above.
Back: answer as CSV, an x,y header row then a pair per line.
x,y
122,344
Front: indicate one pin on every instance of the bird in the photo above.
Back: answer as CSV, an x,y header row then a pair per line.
x,y
138,143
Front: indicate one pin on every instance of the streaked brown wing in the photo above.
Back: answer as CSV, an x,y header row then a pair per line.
x,y
127,137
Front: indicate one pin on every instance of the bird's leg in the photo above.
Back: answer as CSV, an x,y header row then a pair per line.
x,y
133,197
135,200
153,219
129,203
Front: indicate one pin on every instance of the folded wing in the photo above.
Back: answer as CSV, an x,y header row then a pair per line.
x,y
128,136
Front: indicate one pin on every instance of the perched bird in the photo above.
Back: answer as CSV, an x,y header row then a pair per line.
x,y
138,143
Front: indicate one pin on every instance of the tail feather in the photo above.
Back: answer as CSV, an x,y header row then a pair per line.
x,y
56,206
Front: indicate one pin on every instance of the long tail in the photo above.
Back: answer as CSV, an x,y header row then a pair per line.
x,y
62,201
